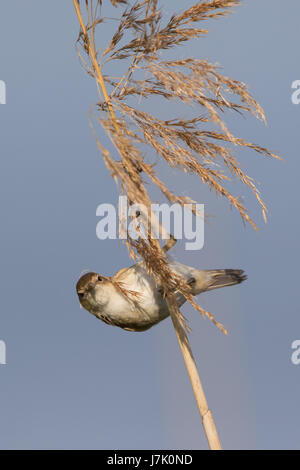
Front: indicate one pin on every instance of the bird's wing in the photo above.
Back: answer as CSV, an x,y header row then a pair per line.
x,y
123,273
137,273
134,277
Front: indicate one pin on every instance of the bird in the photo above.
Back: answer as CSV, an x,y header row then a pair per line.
x,y
132,300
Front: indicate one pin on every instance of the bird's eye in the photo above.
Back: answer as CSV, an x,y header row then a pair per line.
x,y
99,278
80,295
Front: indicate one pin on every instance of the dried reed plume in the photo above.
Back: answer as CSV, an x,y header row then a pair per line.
x,y
140,37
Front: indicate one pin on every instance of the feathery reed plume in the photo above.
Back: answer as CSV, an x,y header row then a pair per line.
x,y
140,37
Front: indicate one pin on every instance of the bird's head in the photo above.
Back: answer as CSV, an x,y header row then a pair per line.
x,y
92,291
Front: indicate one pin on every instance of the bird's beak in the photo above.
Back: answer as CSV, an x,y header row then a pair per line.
x,y
90,286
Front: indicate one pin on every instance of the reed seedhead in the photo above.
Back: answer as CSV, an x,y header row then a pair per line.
x,y
186,144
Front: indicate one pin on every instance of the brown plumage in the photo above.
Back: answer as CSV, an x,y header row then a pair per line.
x,y
133,301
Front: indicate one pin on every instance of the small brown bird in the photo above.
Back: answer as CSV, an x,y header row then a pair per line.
x,y
144,305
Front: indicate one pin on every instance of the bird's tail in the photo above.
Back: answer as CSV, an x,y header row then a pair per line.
x,y
205,280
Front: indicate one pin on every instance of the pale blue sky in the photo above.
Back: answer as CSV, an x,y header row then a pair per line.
x,y
72,381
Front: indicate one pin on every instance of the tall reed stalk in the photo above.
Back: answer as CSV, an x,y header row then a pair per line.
x,y
141,35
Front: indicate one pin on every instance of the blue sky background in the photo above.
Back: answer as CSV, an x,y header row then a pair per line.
x,y
70,380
